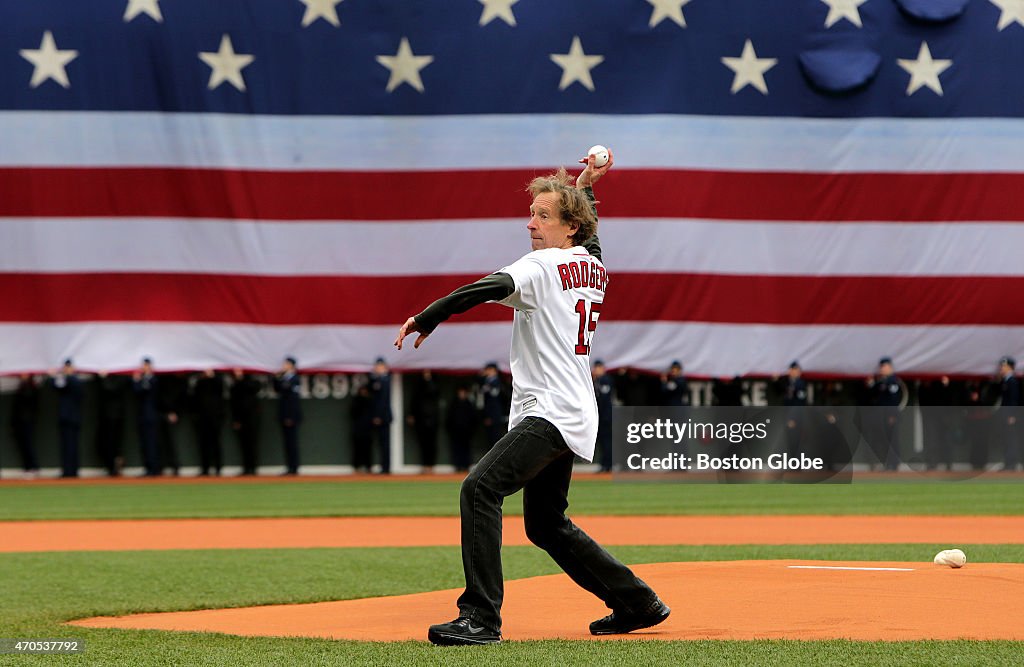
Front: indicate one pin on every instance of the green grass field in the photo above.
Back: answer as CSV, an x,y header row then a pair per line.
x,y
41,590
440,498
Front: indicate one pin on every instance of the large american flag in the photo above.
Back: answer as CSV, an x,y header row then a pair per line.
x,y
225,183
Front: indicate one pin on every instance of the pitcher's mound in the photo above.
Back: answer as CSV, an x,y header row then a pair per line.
x,y
717,600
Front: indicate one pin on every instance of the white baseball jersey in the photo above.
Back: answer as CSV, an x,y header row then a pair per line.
x,y
558,295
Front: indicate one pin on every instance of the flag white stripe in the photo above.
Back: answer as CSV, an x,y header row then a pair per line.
x,y
73,245
239,141
706,349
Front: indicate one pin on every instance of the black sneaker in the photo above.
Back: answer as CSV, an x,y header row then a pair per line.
x,y
621,622
463,631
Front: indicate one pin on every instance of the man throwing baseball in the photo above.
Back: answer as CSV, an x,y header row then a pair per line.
x,y
556,291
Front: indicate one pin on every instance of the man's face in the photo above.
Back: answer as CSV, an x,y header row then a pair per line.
x,y
598,370
794,372
546,227
885,370
1004,368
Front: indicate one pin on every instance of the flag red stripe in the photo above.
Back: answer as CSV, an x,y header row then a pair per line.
x,y
357,300
427,195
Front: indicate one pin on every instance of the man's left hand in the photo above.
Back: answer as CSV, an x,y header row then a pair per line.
x,y
409,327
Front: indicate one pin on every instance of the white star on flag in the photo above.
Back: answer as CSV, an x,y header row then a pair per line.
x,y
924,71
667,9
494,9
148,7
576,66
749,69
843,9
1010,11
321,9
226,65
405,67
49,61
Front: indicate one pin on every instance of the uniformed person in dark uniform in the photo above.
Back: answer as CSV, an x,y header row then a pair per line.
x,y
208,406
495,408
146,387
461,424
111,410
245,417
794,398
604,389
288,388
171,396
728,391
69,416
634,389
978,420
886,393
1008,413
937,420
675,391
425,417
24,412
361,423
836,449
380,392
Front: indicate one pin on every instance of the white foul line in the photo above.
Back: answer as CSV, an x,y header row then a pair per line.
x,y
840,567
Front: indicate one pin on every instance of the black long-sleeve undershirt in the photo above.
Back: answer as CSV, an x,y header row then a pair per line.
x,y
494,287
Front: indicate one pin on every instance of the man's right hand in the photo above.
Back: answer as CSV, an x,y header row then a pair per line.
x,y
410,327
591,174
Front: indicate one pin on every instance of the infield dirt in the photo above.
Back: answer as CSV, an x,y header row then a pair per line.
x,y
710,600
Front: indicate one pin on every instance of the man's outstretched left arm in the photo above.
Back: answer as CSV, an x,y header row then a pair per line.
x,y
494,287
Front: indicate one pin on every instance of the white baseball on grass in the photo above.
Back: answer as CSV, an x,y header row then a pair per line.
x,y
951,557
600,154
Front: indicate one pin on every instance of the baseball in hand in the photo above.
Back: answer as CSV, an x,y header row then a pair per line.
x,y
601,155
951,557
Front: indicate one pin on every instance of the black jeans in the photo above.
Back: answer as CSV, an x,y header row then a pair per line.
x,y
533,457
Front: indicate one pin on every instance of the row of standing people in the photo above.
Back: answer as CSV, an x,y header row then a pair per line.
x,y
989,411
462,419
630,387
984,412
162,401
